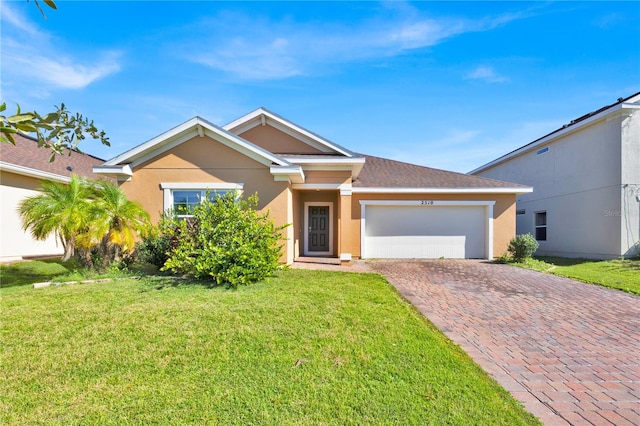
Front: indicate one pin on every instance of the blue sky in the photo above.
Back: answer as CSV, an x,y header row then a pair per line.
x,y
449,85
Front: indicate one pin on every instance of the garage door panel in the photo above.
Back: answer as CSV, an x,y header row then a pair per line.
x,y
411,247
425,232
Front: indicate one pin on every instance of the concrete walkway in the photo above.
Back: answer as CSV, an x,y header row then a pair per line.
x,y
570,352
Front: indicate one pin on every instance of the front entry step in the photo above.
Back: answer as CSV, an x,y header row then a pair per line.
x,y
320,260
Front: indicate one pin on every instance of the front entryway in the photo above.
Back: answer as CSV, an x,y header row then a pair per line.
x,y
318,232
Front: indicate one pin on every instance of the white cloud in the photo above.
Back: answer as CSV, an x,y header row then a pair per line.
x,y
32,60
257,48
250,61
63,72
13,18
610,20
487,74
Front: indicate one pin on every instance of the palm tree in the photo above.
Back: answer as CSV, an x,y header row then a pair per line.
x,y
115,222
61,208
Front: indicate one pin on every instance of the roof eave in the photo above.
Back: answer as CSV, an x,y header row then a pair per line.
x,y
558,133
31,172
121,172
291,174
354,165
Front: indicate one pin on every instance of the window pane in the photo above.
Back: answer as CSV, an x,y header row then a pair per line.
x,y
541,233
541,219
184,201
214,194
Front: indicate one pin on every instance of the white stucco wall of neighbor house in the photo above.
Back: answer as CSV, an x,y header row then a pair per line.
x,y
630,190
15,243
576,179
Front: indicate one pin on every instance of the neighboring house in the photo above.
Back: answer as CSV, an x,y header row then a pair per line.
x,y
339,204
23,167
586,180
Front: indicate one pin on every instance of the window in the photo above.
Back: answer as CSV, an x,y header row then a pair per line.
x,y
541,226
521,211
181,197
185,200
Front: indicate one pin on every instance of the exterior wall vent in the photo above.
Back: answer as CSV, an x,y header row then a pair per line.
x,y
520,211
542,151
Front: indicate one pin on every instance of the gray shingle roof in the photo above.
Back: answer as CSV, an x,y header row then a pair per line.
x,y
384,173
27,154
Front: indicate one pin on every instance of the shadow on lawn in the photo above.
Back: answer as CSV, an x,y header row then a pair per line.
x,y
29,272
167,282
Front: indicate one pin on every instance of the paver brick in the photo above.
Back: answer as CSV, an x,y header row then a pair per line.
x,y
569,344
595,419
616,418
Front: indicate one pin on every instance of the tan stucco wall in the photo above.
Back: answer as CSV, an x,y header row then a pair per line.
x,y
204,160
504,225
334,177
273,140
14,242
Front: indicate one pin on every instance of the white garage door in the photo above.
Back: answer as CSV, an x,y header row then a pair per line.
x,y
418,231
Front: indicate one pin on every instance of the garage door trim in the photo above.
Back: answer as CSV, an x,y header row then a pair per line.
x,y
426,203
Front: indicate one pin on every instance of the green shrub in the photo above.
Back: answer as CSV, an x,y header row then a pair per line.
x,y
154,249
226,240
522,247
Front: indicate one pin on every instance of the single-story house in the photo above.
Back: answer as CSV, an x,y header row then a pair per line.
x,y
339,203
23,167
586,180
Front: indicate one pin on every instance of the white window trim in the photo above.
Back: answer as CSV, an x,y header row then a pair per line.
x,y
430,203
306,228
168,187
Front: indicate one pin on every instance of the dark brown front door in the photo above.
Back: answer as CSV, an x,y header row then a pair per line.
x,y
318,236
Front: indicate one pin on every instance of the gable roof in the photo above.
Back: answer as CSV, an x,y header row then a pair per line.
x,y
263,116
369,173
380,174
121,166
282,166
196,126
629,103
27,159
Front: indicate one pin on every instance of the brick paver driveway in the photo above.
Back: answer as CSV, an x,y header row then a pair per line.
x,y
569,351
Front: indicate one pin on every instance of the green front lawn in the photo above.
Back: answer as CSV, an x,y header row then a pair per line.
x,y
35,271
619,274
306,347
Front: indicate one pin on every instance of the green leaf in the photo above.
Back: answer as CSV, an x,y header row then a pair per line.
x,y
51,117
7,130
20,118
7,138
26,127
3,106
